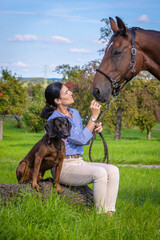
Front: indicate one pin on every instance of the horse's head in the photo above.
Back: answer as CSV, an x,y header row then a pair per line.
x,y
116,64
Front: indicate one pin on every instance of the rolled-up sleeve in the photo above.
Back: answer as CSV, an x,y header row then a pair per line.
x,y
80,138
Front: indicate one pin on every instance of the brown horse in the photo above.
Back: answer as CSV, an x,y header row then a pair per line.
x,y
128,52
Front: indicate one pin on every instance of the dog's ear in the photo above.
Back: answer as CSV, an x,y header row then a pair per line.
x,y
49,127
69,124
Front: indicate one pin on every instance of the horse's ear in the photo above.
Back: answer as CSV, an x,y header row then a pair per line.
x,y
122,27
113,24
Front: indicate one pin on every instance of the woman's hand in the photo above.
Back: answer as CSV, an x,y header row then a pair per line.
x,y
98,127
95,109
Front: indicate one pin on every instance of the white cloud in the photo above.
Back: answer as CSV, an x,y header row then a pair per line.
x,y
59,39
79,50
143,18
19,64
34,38
23,38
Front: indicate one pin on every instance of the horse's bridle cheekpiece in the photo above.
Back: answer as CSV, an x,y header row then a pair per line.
x,y
116,84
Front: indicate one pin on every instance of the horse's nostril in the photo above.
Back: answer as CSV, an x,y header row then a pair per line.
x,y
96,92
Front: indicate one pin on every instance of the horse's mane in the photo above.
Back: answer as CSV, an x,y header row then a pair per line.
x,y
141,29
118,32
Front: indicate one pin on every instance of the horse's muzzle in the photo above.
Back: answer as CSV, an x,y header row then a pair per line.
x,y
99,96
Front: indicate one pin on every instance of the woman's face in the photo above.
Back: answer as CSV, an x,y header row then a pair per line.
x,y
66,97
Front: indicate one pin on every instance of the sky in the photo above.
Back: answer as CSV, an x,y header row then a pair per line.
x,y
38,35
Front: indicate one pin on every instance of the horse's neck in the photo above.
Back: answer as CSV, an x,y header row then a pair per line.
x,y
149,44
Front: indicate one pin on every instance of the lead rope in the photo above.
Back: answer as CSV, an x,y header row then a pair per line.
x,y
106,155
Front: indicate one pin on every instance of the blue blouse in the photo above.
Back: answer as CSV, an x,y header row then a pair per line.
x,y
79,136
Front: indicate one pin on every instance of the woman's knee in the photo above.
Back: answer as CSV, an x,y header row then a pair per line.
x,y
100,174
114,172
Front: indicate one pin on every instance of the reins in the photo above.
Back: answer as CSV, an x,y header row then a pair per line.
x,y
106,155
116,84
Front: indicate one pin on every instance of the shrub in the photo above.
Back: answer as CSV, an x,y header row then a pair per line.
x,y
32,117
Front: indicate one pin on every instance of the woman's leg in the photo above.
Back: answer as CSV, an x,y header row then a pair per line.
x,y
83,174
112,184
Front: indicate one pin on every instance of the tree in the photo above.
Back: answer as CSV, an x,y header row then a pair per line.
x,y
32,116
13,97
123,111
32,111
69,73
148,102
35,90
105,32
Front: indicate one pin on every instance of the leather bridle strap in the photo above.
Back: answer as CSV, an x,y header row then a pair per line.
x,y
116,84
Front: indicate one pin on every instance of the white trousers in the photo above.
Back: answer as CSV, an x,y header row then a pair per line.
x,y
105,177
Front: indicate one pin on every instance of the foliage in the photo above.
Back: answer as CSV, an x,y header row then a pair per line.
x,y
105,32
32,117
68,72
148,102
32,112
13,95
126,102
35,91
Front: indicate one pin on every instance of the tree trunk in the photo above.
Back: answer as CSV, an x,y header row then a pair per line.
x,y
148,134
118,124
1,130
18,121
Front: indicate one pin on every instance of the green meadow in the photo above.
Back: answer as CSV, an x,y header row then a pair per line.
x,y
138,204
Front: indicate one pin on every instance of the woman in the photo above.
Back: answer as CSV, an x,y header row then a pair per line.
x,y
75,170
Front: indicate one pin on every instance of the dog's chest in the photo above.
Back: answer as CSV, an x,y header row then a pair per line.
x,y
55,155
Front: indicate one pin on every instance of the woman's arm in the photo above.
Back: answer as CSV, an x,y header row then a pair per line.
x,y
95,111
82,136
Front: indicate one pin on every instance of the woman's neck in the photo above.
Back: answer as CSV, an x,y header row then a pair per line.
x,y
64,111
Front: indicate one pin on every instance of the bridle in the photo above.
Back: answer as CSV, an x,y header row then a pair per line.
x,y
116,84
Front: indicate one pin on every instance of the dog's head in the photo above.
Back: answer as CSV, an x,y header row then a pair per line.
x,y
58,127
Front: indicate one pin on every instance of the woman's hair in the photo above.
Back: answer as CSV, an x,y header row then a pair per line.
x,y
52,91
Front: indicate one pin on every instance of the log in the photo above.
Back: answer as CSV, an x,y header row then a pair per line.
x,y
81,194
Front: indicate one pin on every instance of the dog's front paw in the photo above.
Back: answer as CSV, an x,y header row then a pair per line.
x,y
36,186
59,189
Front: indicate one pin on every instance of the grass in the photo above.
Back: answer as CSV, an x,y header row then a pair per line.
x,y
138,203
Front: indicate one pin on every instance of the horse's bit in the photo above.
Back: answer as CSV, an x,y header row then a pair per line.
x,y
116,84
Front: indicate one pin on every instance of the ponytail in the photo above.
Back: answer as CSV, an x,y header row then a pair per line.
x,y
52,91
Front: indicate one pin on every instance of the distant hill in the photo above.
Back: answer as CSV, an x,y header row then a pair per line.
x,y
34,79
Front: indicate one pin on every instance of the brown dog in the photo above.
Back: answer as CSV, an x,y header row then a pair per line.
x,y
49,152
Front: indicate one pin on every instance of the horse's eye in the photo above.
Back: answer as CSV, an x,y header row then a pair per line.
x,y
117,53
